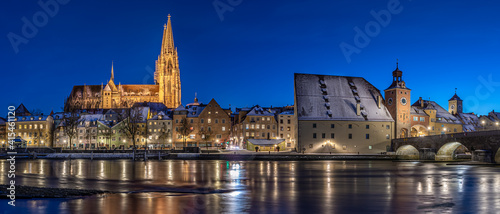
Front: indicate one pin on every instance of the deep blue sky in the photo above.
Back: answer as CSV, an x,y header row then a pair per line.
x,y
250,56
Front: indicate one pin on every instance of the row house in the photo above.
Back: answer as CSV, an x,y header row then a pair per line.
x,y
208,125
160,130
254,123
35,130
287,128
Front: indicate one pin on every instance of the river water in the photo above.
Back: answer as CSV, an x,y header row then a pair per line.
x,y
259,186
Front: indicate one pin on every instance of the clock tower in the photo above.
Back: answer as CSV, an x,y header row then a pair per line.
x,y
455,104
397,100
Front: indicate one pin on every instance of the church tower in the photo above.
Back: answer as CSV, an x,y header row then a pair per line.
x,y
397,98
455,104
167,74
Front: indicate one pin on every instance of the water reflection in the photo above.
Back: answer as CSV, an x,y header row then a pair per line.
x,y
263,186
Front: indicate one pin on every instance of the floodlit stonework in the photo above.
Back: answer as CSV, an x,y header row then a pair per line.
x,y
167,87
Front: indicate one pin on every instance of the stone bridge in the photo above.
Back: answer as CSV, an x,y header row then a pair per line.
x,y
479,146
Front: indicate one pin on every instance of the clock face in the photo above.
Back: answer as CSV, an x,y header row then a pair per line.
x,y
403,101
389,102
452,106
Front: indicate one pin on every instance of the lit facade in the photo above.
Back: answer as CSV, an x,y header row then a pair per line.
x,y
167,87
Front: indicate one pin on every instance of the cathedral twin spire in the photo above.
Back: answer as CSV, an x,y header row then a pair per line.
x,y
167,74
167,45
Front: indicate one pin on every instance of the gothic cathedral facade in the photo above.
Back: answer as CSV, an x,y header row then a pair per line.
x,y
166,90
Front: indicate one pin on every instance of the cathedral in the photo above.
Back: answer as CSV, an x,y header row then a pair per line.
x,y
166,90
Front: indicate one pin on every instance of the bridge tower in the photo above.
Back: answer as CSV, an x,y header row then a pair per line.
x,y
455,104
397,100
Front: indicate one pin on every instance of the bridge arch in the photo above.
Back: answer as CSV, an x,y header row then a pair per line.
x,y
449,151
407,152
418,131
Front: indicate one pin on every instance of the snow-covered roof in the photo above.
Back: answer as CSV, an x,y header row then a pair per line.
x,y
32,118
336,99
444,114
180,108
265,142
91,117
494,115
163,116
287,113
417,112
455,97
259,111
195,111
470,121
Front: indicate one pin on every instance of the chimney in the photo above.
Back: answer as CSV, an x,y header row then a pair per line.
x,y
379,101
358,109
421,102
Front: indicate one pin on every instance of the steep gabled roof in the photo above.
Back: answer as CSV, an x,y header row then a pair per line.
x,y
21,110
324,97
455,97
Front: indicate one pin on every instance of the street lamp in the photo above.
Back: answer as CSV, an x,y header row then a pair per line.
x,y
483,122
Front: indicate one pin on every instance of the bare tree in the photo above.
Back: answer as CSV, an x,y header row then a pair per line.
x,y
164,134
70,121
107,133
206,135
185,130
130,119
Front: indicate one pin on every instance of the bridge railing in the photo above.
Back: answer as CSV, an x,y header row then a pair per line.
x,y
453,135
